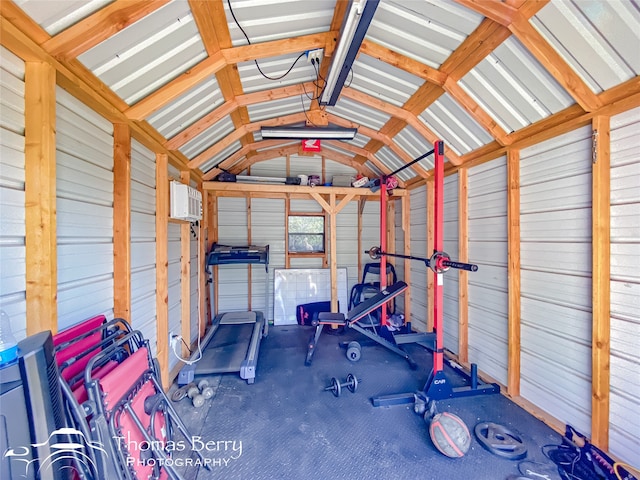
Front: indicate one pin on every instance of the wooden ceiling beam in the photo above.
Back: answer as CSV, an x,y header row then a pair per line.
x,y
76,79
256,51
498,12
230,161
201,125
403,62
384,140
179,85
475,48
516,20
553,62
98,27
616,100
237,135
268,154
454,89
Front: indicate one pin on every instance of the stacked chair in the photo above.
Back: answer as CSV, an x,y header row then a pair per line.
x,y
113,396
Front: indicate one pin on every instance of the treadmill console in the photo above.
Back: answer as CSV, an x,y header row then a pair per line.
x,y
228,255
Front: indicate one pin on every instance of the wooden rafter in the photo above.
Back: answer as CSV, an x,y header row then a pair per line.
x,y
98,27
517,21
555,64
403,62
236,135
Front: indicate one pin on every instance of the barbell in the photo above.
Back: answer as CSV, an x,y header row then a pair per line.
x,y
439,262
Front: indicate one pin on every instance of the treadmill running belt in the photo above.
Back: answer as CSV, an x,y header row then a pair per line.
x,y
227,349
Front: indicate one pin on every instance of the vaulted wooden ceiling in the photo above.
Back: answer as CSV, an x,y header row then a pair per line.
x,y
197,79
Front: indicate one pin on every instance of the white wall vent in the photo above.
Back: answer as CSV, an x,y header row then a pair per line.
x,y
186,202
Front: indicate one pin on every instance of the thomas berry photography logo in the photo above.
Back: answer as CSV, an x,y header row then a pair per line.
x,y
67,449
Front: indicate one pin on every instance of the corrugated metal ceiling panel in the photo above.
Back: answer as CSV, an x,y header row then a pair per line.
x,y
415,145
360,140
383,81
514,88
392,162
359,113
598,39
144,56
207,138
187,108
267,20
373,168
276,68
427,31
224,154
54,17
274,108
450,122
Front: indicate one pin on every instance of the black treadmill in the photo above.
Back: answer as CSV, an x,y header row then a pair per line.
x,y
233,340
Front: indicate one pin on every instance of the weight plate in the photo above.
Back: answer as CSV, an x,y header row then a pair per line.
x,y
352,383
500,441
337,389
202,384
178,395
374,253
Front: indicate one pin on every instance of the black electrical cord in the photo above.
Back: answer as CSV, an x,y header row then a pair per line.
x,y
256,61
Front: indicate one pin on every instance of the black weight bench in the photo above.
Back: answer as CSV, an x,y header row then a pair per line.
x,y
358,313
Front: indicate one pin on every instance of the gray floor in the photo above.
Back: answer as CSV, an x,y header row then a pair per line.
x,y
286,427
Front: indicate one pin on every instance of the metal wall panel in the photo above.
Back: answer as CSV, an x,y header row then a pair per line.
x,y
624,423
143,242
451,283
488,299
175,287
556,321
347,235
197,264
232,285
267,228
12,224
84,196
399,248
419,217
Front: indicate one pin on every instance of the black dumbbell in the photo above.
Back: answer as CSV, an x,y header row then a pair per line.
x,y
336,387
